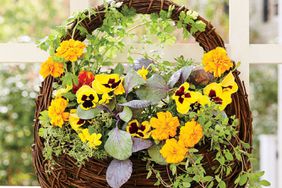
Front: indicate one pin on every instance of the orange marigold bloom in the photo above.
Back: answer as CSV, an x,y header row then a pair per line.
x,y
165,126
50,67
56,112
217,61
191,134
70,50
173,151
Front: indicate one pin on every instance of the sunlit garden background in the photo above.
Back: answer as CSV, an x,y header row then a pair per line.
x,y
28,21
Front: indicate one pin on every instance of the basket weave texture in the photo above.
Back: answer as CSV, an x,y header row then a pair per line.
x,y
92,175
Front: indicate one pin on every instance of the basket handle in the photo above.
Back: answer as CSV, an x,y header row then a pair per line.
x,y
208,39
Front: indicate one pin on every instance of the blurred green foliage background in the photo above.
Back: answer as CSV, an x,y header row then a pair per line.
x,y
30,20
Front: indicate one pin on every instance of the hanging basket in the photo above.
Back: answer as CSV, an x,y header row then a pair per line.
x,y
92,174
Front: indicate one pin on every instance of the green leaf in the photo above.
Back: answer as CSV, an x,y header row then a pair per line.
x,y
243,179
137,104
173,169
154,153
119,144
264,183
228,155
119,69
126,114
44,119
87,114
69,79
132,80
221,184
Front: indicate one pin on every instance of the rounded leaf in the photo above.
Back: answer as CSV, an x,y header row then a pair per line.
x,y
119,144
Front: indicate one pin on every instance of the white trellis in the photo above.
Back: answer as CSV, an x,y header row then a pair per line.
x,y
239,49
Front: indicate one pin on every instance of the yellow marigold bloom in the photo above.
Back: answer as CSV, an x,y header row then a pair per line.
x,y
52,68
106,83
173,151
184,98
228,84
94,140
191,134
56,112
217,61
87,97
165,126
139,130
215,93
143,73
75,121
70,50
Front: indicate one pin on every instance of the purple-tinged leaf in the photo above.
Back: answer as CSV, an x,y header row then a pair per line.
x,y
181,75
137,104
118,172
132,80
141,144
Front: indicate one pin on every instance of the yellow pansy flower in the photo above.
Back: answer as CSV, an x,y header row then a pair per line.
x,y
75,121
106,83
70,50
217,61
228,84
184,98
105,99
143,73
164,126
191,134
215,93
87,97
139,130
173,151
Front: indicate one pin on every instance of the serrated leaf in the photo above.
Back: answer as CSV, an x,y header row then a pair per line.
x,y
69,79
154,153
87,114
119,69
118,172
119,144
132,80
44,119
137,104
181,75
126,114
141,144
154,90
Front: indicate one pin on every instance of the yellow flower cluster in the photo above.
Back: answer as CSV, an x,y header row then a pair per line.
x,y
219,93
50,67
217,61
175,151
70,50
56,112
104,85
92,139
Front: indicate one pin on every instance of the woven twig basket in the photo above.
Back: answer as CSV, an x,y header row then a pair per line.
x,y
67,174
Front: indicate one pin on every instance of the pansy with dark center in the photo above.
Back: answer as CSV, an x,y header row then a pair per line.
x,y
87,97
138,130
